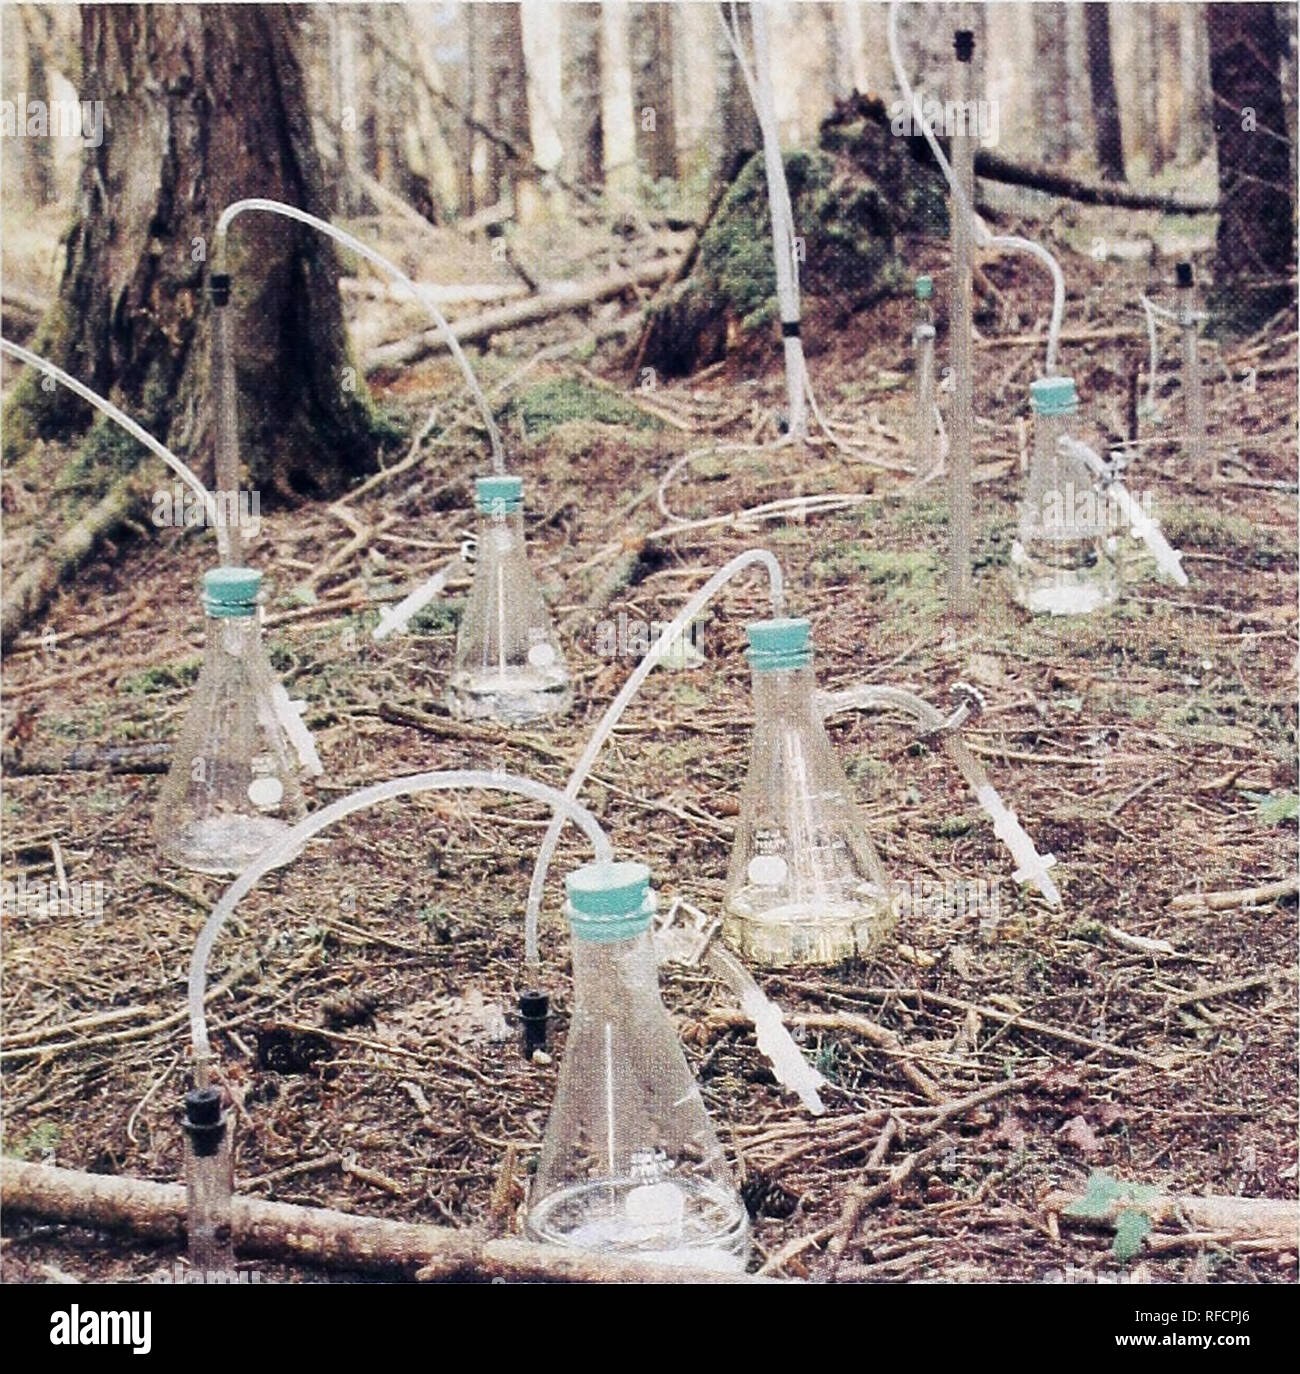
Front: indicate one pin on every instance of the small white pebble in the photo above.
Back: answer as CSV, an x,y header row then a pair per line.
x,y
541,1057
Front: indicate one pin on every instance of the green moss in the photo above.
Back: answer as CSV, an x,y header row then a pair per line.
x,y
163,678
566,400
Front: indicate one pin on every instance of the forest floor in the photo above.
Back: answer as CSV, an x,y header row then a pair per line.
x,y
1150,747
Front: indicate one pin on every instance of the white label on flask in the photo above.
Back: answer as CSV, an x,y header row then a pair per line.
x,y
503,541
541,656
767,870
265,793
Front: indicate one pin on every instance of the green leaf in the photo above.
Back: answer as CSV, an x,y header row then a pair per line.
x,y
1278,807
1103,1190
1130,1229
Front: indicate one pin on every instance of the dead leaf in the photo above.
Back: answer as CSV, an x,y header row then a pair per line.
x,y
1079,1133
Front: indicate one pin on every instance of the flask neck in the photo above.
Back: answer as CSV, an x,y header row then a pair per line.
x,y
230,636
623,970
784,692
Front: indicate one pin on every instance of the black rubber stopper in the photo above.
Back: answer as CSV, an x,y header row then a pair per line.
x,y
1183,274
963,44
534,1013
219,287
204,1121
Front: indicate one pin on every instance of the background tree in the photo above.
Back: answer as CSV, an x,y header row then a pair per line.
x,y
583,134
1105,102
653,103
1253,248
204,105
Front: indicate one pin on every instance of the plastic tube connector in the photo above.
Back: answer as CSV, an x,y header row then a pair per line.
x,y
1032,865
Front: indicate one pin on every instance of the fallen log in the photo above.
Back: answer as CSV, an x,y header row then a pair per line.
x,y
994,167
319,1236
530,311
1249,1218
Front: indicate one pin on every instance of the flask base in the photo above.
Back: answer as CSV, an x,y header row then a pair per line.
x,y
512,697
804,933
686,1222
1064,586
222,845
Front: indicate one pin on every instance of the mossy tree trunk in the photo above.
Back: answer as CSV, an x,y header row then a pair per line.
x,y
202,106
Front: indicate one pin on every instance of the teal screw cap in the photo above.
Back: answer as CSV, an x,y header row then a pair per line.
x,y
777,644
924,288
231,592
609,901
1053,396
500,495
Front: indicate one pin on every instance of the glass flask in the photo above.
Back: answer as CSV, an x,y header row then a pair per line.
x,y
1063,559
209,1182
232,787
509,666
805,885
926,434
630,1163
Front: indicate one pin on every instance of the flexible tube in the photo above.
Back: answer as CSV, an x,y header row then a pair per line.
x,y
226,423
758,81
1140,524
788,1064
135,431
616,708
982,236
291,842
1031,866
276,207
394,619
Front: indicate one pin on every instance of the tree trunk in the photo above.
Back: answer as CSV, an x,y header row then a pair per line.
x,y
506,98
1194,80
204,105
653,106
38,154
1147,64
583,136
1050,80
1253,260
1105,103
736,133
468,193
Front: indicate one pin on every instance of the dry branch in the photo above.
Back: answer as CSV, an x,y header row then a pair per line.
x,y
1244,1217
1229,901
319,1236
531,311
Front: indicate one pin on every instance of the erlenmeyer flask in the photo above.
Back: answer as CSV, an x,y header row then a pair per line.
x,y
630,1162
1063,560
232,787
926,434
805,885
508,664
1189,320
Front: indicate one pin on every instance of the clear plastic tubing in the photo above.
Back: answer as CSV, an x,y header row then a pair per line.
x,y
1031,866
960,494
226,427
1011,242
288,845
134,430
926,433
276,207
614,712
759,82
1139,523
1189,320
